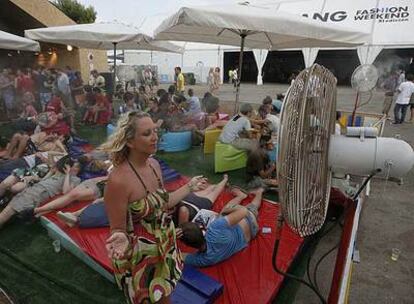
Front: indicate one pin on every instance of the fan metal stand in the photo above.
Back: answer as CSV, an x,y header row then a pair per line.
x,y
364,79
358,105
355,108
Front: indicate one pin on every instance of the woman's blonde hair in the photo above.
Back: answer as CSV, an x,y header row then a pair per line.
x,y
116,145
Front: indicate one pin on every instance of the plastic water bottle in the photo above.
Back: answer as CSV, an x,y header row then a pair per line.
x,y
395,254
56,245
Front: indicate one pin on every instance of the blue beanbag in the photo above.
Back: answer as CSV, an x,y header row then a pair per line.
x,y
175,141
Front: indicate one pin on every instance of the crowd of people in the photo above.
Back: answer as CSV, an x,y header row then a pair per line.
x,y
144,201
47,97
42,176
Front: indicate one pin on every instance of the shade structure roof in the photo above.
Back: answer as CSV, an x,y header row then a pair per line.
x,y
264,28
13,42
101,36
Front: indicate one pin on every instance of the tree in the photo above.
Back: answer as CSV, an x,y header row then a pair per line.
x,y
76,11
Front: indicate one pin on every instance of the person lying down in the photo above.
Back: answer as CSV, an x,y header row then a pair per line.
x,y
228,234
60,179
94,215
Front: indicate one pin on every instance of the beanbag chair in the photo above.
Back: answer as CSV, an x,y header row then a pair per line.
x,y
227,158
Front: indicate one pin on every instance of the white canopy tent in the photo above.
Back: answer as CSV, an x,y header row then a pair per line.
x,y
261,28
104,36
309,56
252,27
101,36
13,42
260,57
389,22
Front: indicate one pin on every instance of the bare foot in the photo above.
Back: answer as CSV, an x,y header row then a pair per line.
x,y
68,218
238,192
225,178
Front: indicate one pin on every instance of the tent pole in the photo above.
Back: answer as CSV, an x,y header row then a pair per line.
x,y
114,76
239,74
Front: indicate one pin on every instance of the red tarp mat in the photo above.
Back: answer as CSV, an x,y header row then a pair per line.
x,y
248,276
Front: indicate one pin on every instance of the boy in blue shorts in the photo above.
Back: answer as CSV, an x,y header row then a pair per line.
x,y
230,233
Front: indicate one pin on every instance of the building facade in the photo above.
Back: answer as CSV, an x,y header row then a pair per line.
x,y
19,15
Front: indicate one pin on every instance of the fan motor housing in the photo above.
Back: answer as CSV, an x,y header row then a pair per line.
x,y
352,155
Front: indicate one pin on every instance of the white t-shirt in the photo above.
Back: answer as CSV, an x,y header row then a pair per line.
x,y
63,84
31,159
406,89
194,105
100,81
275,121
232,129
235,76
337,129
401,78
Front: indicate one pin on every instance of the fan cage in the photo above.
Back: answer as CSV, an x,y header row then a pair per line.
x,y
307,122
364,78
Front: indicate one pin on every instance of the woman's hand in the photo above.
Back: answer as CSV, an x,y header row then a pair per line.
x,y
117,245
67,169
197,183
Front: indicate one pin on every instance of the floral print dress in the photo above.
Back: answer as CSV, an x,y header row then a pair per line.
x,y
153,263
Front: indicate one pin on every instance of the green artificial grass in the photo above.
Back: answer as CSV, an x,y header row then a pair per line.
x,y
31,272
96,135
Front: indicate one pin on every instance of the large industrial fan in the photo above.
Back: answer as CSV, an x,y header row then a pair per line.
x,y
363,81
309,153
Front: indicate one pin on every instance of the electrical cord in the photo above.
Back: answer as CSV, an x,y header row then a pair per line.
x,y
337,222
315,270
326,254
290,276
313,285
319,237
308,270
